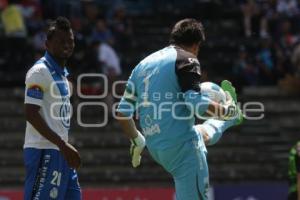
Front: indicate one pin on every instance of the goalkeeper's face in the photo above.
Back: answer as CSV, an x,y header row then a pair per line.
x,y
61,45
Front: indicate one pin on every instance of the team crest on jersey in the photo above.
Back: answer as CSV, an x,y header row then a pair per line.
x,y
193,60
197,68
53,193
65,112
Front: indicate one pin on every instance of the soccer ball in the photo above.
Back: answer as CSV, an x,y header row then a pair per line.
x,y
213,92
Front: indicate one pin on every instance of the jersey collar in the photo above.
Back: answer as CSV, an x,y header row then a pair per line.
x,y
58,69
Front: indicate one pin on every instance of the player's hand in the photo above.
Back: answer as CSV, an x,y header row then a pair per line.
x,y
230,108
71,155
136,148
231,97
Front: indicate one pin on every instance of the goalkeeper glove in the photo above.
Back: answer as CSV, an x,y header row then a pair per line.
x,y
137,146
231,110
232,96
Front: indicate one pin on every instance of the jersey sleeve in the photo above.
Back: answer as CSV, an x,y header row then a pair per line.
x,y
188,73
298,157
127,105
35,88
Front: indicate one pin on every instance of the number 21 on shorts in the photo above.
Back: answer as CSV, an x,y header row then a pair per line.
x,y
56,178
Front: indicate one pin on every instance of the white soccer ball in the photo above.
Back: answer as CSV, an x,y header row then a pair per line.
x,y
213,91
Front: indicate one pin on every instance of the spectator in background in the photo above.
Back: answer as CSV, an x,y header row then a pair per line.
x,y
110,64
290,83
284,46
121,27
249,10
287,8
74,8
32,13
79,56
244,70
16,37
91,61
265,62
38,42
102,33
294,172
91,13
286,39
53,8
13,21
253,11
290,9
109,59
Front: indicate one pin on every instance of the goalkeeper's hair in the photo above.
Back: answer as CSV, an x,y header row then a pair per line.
x,y
61,23
187,32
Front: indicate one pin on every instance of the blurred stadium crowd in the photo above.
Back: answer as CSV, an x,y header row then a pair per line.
x,y
261,37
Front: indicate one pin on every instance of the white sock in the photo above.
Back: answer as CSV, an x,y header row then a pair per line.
x,y
215,129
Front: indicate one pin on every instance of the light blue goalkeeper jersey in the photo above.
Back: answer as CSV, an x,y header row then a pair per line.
x,y
160,89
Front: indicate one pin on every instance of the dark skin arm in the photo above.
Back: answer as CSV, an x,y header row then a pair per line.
x,y
69,152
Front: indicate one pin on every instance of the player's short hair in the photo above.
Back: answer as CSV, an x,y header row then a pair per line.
x,y
61,23
187,32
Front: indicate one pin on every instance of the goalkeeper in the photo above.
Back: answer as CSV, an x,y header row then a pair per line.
x,y
169,132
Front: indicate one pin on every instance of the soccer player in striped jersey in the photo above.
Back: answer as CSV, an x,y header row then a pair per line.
x,y
50,161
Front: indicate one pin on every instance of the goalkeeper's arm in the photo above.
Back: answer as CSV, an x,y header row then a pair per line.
x,y
136,138
199,104
189,76
125,113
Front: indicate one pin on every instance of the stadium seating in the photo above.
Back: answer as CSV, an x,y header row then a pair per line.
x,y
258,150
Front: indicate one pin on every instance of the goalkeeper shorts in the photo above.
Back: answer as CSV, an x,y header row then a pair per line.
x,y
188,166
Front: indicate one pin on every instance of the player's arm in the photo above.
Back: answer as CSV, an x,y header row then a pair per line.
x,y
189,76
136,138
34,118
125,112
34,94
128,126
